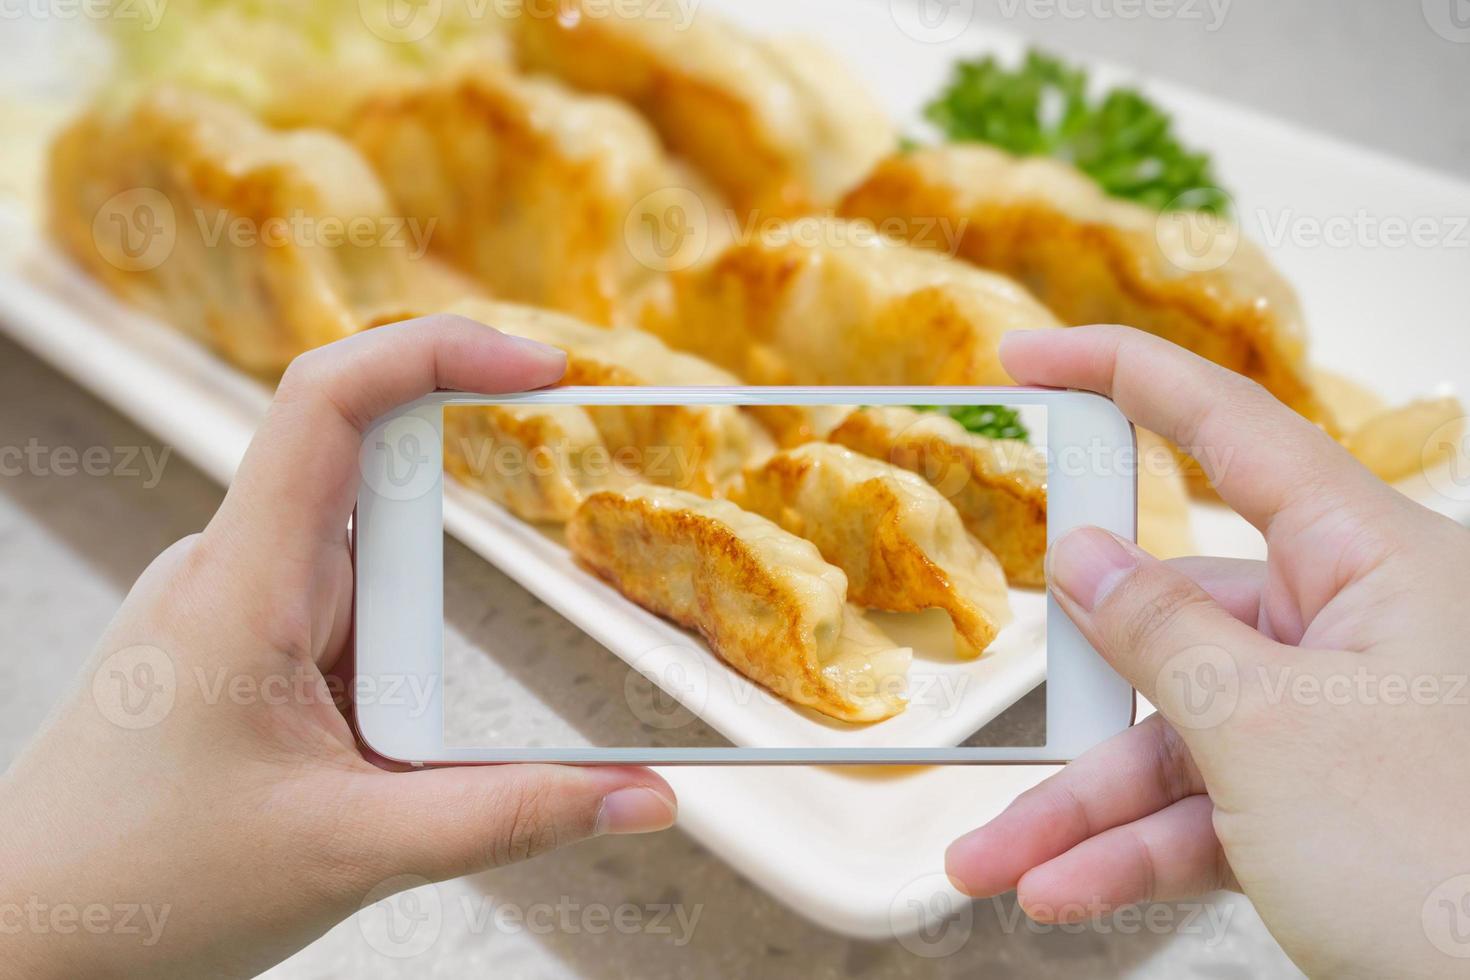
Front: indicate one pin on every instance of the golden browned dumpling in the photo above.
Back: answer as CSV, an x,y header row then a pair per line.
x,y
901,544
693,447
261,244
1095,259
538,461
998,486
763,599
829,302
547,196
777,125
1395,443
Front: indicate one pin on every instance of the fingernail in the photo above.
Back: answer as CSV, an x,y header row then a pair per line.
x,y
1088,563
965,861
637,810
537,349
1016,340
963,856
1012,337
954,879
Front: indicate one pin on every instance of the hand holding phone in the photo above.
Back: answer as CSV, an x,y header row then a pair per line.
x,y
209,723
1306,703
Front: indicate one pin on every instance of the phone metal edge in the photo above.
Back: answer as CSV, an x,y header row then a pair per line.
x,y
737,755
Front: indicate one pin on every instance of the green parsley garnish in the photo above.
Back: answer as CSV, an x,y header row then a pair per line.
x,y
991,421
1043,108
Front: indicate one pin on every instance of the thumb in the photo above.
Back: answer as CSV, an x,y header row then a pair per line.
x,y
1169,638
443,823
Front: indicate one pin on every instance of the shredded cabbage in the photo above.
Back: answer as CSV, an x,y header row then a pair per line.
x,y
295,60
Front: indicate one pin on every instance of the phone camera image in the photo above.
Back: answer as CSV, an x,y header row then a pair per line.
x,y
798,577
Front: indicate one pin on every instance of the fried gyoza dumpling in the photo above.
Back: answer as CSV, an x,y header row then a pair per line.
x,y
538,461
1395,443
998,486
828,302
693,447
763,599
901,544
1094,259
547,196
779,126
261,244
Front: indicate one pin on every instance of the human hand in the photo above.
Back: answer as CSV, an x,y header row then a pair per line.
x,y
235,805
1312,721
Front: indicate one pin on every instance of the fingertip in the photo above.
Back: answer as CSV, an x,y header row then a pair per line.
x,y
1029,895
968,865
545,357
635,810
957,866
1088,563
620,777
487,360
1016,349
635,800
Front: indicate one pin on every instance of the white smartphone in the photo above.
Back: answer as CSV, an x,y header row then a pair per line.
x,y
880,603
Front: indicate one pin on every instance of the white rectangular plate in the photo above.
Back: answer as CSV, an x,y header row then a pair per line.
x,y
949,698
851,849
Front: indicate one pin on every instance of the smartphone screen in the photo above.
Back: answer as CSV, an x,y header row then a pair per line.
x,y
777,577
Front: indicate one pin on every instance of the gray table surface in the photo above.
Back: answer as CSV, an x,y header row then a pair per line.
x,y
70,547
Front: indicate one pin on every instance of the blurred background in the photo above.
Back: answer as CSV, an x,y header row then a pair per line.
x,y
1378,74
1390,76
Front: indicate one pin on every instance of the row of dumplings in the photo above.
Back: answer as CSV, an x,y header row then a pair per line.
x,y
628,165
769,553
549,192
699,206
